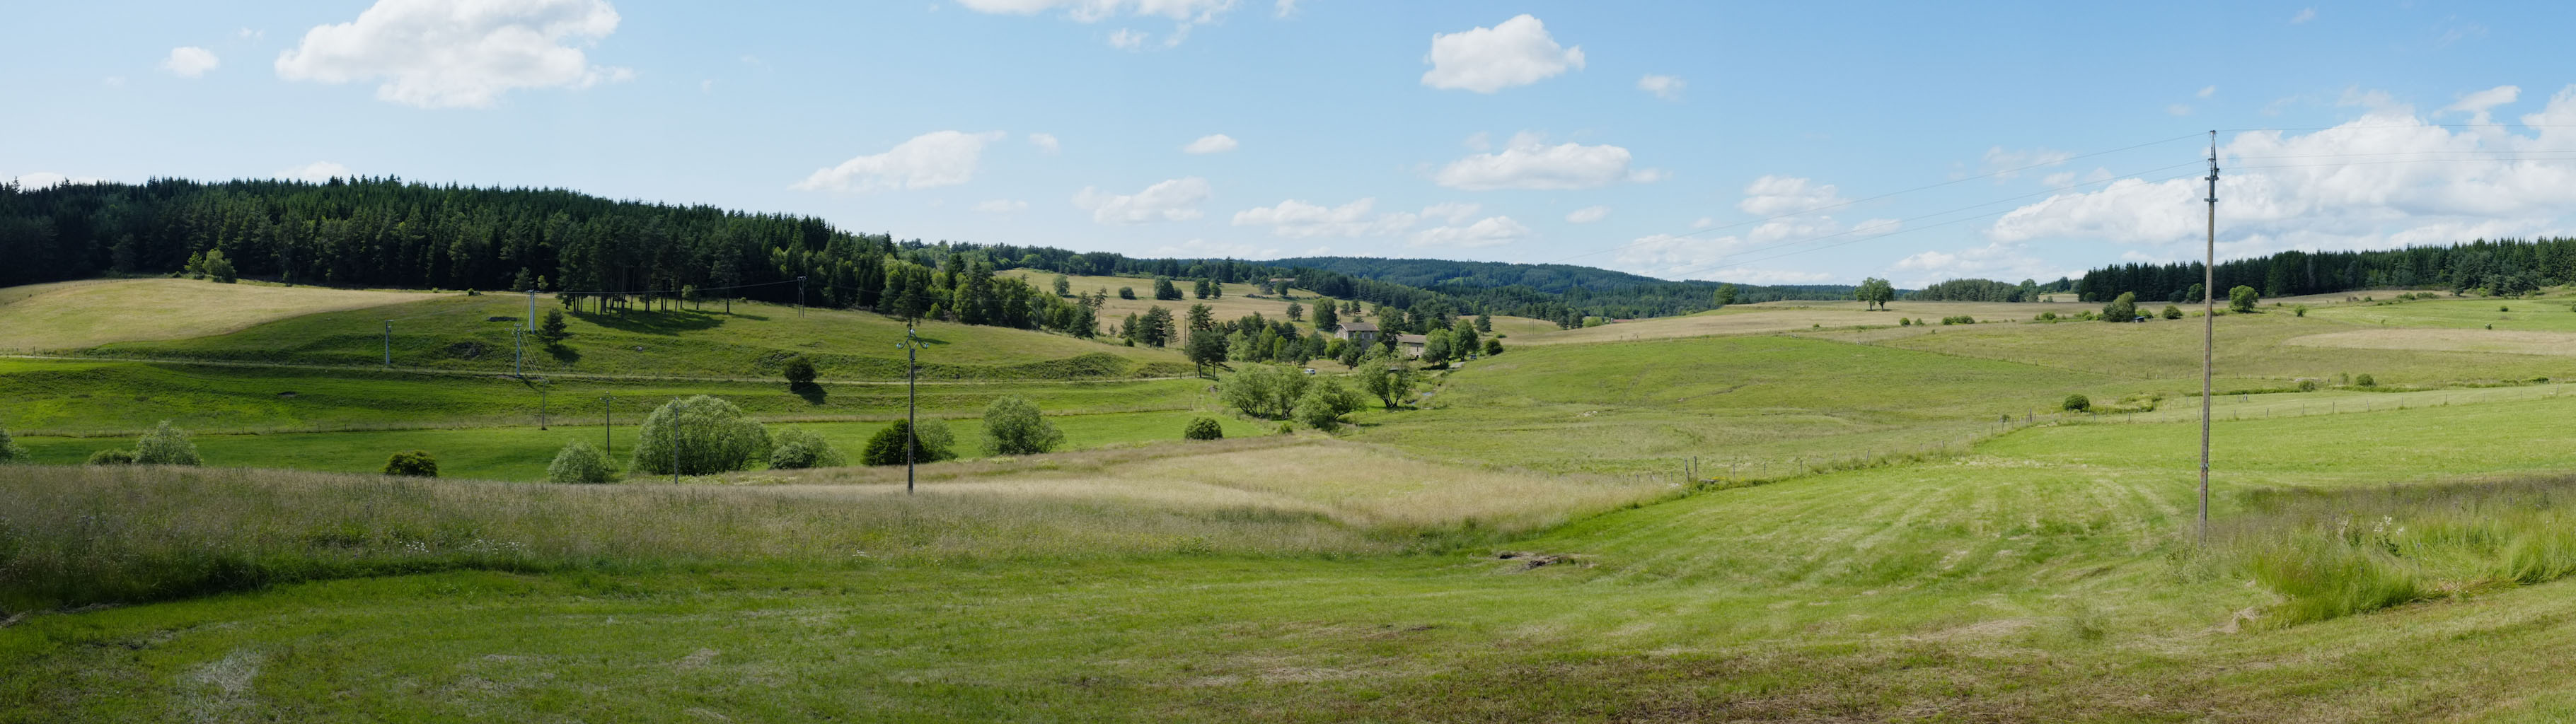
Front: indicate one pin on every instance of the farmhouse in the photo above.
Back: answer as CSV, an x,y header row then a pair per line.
x,y
1412,344
1357,332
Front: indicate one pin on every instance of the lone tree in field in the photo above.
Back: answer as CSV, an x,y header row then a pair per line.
x,y
799,448
712,436
1012,426
2121,309
1296,312
1063,286
886,447
799,371
2077,403
2242,299
1875,293
165,445
414,464
1126,292
1204,428
553,332
1163,289
580,463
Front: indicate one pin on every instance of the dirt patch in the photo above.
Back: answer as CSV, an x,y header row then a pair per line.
x,y
1523,561
2556,344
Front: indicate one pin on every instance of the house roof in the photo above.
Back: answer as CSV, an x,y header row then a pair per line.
x,y
1412,339
1358,327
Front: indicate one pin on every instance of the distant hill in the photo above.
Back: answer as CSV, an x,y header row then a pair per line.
x,y
1446,274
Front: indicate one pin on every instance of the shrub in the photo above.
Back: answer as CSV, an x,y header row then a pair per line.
x,y
1325,402
2045,317
2242,299
2172,312
10,452
112,457
165,445
2078,403
2365,380
2307,385
2121,309
1126,292
580,463
1493,347
2300,311
2504,308
1012,426
712,436
886,447
1204,428
799,371
417,464
1287,428
799,448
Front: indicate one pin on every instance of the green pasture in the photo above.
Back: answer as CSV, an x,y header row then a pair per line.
x,y
2524,315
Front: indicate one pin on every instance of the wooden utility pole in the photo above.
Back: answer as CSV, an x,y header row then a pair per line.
x,y
2208,330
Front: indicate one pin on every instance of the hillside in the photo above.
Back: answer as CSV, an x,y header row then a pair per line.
x,y
1445,274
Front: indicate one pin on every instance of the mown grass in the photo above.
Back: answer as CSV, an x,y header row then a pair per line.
x,y
60,397
64,315
1237,302
752,341
2254,350
2501,314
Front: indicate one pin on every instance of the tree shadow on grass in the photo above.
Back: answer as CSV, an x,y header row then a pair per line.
x,y
566,355
813,393
665,323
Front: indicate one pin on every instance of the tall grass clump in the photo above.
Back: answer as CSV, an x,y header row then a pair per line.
x,y
2332,553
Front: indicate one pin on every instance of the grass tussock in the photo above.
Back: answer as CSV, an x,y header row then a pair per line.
x,y
2333,553
76,536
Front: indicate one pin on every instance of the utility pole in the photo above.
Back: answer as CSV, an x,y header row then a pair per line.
x,y
389,344
532,308
607,437
2208,330
675,443
519,353
800,296
541,404
912,397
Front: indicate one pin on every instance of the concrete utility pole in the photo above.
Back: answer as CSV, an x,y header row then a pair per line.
x,y
912,397
389,344
2208,330
607,427
532,309
800,296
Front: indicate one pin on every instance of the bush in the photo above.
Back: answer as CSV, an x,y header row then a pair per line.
x,y
712,434
1325,402
10,452
2301,310
799,448
580,463
2307,385
2121,309
886,447
1959,319
1126,292
2172,312
1903,322
2365,380
417,464
2242,299
1204,428
165,445
1012,426
800,371
1493,347
2078,403
112,457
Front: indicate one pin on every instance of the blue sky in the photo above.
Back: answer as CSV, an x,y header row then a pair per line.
x,y
1745,142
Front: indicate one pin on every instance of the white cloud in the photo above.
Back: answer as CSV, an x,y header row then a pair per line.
x,y
2064,179
1529,163
1184,14
1218,143
1479,141
1287,8
1452,211
1588,215
190,61
1299,219
2206,91
1777,195
33,180
2478,104
316,172
1173,200
1998,261
2305,14
1046,143
2385,178
1663,86
458,53
1489,231
940,158
1515,52
1001,206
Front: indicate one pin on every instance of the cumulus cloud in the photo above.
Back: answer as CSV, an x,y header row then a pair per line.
x,y
1174,200
1790,224
1515,52
1127,39
941,158
1663,86
1529,163
1045,142
1001,206
316,172
2386,178
190,61
1217,143
1489,231
1287,8
458,53
1999,261
2478,104
1588,214
1777,195
1299,219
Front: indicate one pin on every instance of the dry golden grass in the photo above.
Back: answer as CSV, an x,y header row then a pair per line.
x,y
1523,327
67,315
2560,344
1776,317
1237,302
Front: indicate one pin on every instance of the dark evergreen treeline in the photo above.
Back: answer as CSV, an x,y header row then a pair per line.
x,y
1554,291
2504,266
1988,290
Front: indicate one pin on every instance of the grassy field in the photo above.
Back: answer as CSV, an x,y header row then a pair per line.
x,y
70,315
2045,576
452,333
1776,317
1237,302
